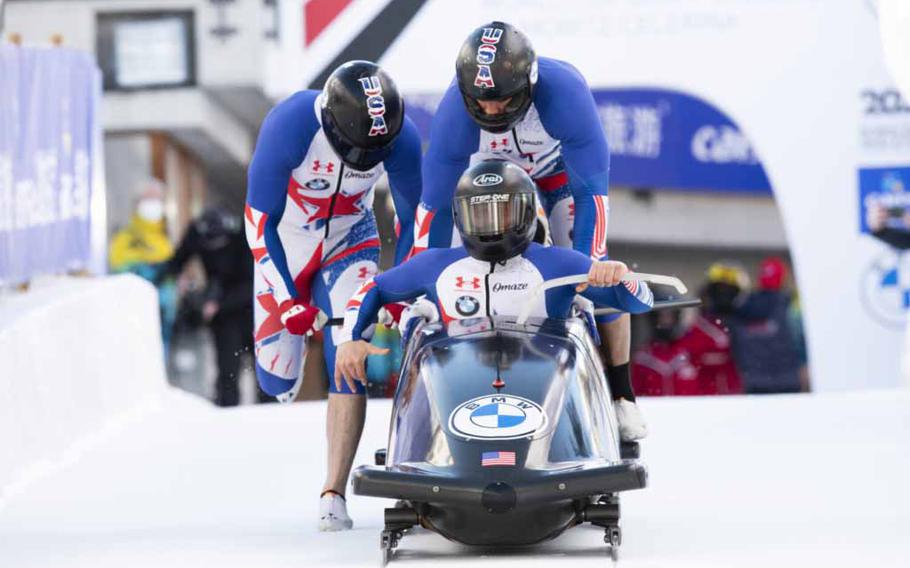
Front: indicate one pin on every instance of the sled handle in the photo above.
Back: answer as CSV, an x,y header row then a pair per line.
x,y
525,313
658,305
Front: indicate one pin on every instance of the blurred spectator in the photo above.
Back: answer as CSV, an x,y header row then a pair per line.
x,y
707,341
795,318
216,238
763,344
142,246
891,226
662,367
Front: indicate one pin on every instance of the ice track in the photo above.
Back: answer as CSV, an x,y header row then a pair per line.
x,y
821,480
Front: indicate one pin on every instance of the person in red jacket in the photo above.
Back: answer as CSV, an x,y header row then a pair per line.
x,y
663,367
707,344
707,341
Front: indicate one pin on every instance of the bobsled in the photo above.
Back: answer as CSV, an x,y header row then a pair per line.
x,y
502,433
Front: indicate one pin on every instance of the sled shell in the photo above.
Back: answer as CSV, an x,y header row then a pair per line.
x,y
501,433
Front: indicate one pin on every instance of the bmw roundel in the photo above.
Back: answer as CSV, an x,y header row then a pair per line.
x,y
885,296
497,417
467,306
318,184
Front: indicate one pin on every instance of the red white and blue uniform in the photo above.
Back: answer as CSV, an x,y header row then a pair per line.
x,y
463,287
559,142
311,228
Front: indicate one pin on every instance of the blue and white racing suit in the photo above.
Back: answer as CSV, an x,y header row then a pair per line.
x,y
464,287
310,225
559,142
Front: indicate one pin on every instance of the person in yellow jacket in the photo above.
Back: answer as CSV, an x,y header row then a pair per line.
x,y
142,246
143,241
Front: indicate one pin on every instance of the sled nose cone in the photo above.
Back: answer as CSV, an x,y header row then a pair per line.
x,y
498,498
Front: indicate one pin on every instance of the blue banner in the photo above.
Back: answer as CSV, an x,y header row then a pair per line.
x,y
48,105
888,188
660,139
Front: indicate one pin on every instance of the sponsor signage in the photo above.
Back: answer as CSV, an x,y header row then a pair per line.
x,y
497,417
888,188
659,138
48,122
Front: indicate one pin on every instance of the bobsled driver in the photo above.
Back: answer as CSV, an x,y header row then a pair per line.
x,y
507,103
310,225
494,272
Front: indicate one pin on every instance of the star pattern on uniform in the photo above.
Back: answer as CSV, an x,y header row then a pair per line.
x,y
272,323
320,207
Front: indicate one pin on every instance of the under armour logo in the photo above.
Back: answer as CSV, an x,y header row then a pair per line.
x,y
329,168
461,282
504,142
363,272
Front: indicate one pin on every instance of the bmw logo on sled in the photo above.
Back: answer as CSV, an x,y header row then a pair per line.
x,y
502,434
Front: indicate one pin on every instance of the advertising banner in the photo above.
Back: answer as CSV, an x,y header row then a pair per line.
x,y
659,139
48,106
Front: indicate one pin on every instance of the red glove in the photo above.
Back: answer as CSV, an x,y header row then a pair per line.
x,y
390,315
303,319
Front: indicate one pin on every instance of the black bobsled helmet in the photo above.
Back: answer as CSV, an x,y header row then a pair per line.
x,y
494,210
497,62
362,113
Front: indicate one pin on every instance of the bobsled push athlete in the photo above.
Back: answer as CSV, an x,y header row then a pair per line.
x,y
507,103
493,273
313,235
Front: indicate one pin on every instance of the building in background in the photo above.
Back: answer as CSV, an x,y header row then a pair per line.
x,y
183,91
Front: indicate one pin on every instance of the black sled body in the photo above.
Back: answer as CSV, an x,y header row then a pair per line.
x,y
502,434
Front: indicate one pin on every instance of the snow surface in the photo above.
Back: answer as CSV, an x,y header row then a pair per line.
x,y
80,356
813,480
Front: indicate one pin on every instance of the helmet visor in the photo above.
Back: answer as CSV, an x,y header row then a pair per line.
x,y
362,159
493,214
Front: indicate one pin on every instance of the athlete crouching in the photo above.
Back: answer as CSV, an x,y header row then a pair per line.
x,y
310,225
494,272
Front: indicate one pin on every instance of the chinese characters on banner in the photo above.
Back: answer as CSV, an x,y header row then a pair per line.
x,y
660,139
48,105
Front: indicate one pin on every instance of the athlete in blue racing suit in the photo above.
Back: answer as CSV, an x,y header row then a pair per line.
x,y
495,272
508,104
462,286
310,225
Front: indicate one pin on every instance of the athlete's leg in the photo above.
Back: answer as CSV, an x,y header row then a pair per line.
x,y
617,342
616,329
348,264
279,354
560,214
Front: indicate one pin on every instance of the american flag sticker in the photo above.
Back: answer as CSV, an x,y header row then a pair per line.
x,y
492,459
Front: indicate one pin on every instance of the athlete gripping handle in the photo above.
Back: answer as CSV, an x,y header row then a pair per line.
x,y
494,273
509,104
